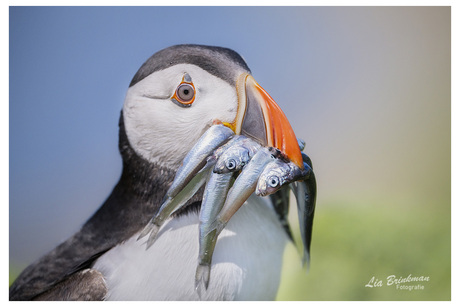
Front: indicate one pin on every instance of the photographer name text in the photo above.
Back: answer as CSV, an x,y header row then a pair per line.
x,y
401,283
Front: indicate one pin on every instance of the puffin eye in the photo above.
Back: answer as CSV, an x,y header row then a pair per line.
x,y
185,92
273,181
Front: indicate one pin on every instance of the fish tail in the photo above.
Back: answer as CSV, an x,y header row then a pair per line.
x,y
203,272
146,230
306,260
153,235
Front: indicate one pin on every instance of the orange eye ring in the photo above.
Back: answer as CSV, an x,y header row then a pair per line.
x,y
185,92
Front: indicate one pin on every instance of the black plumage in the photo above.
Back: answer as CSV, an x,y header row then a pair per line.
x,y
220,62
126,211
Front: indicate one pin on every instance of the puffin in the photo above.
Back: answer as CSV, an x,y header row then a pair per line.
x,y
174,97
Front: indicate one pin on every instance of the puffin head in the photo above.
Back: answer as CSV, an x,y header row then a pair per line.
x,y
181,91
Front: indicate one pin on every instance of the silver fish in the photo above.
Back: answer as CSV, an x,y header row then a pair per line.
x,y
214,157
189,177
213,138
301,144
237,156
172,204
276,174
305,194
243,187
232,158
214,196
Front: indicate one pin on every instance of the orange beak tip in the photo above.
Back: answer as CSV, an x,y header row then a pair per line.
x,y
260,118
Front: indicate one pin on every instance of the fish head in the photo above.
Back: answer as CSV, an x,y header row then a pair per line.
x,y
232,160
272,178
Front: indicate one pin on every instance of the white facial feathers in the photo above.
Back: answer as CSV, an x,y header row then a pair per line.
x,y
161,131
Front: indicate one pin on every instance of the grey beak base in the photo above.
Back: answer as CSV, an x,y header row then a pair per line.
x,y
254,125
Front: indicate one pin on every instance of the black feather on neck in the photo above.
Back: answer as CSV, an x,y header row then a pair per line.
x,y
138,194
145,180
132,203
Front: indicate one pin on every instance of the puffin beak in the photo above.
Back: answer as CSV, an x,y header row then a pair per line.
x,y
260,118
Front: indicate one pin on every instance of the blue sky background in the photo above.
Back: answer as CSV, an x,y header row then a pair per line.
x,y
368,89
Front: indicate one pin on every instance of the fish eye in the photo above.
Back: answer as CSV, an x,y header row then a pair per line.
x,y
231,164
273,181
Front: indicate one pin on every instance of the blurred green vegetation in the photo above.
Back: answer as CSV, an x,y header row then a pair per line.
x,y
14,273
352,243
